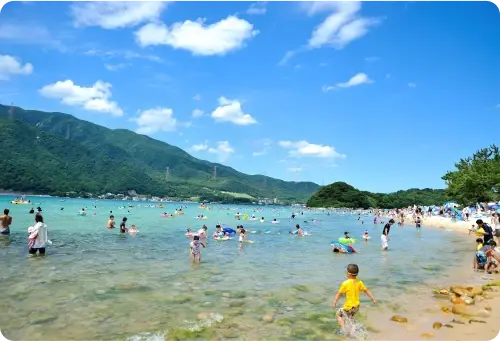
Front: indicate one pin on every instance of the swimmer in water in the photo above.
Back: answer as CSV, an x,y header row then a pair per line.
x,y
111,222
242,236
133,229
365,235
194,248
32,210
299,231
203,233
347,235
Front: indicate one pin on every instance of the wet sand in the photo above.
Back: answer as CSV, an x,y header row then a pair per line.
x,y
423,309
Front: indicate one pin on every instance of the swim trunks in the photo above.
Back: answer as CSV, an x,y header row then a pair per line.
x,y
5,231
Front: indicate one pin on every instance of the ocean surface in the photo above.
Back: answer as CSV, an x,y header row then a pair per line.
x,y
96,283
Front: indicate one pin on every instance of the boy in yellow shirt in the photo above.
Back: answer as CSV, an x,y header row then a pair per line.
x,y
351,288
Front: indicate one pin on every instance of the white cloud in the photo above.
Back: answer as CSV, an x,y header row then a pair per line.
x,y
12,66
341,27
294,169
154,120
115,14
288,55
223,149
200,39
412,85
115,67
306,149
93,98
197,113
265,144
358,79
29,34
387,76
197,97
230,111
126,54
257,8
372,59
199,147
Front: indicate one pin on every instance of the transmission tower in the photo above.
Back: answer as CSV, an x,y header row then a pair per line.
x,y
11,111
215,173
167,174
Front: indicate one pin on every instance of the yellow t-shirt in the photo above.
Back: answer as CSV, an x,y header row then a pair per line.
x,y
480,232
479,247
351,288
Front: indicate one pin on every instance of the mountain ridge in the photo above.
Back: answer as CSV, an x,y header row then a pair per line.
x,y
145,154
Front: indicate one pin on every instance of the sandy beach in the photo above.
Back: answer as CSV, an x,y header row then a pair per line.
x,y
445,316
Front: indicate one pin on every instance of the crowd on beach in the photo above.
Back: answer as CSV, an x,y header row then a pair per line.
x,y
486,257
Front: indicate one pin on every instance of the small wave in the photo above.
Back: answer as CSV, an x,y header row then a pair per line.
x,y
212,318
147,337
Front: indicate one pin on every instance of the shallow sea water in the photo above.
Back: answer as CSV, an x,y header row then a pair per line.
x,y
97,284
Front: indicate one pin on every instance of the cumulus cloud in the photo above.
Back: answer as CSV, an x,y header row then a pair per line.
x,y
229,110
10,66
222,149
341,27
197,113
158,119
257,8
197,37
306,149
115,14
94,98
358,79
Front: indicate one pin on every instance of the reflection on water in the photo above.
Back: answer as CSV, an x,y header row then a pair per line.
x,y
97,284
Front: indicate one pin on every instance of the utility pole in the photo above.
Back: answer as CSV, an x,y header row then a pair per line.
x,y
215,173
11,112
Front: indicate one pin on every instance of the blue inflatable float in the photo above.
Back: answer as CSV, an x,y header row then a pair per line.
x,y
346,248
229,230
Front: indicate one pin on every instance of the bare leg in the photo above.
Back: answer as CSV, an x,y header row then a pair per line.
x,y
340,320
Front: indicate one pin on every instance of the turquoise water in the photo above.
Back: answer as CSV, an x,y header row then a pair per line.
x,y
95,283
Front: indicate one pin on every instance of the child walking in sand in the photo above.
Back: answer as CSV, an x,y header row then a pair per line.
x,y
351,289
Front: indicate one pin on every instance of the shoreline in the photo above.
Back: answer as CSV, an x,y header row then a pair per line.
x,y
430,316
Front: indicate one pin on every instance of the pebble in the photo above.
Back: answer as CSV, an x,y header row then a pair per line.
x,y
268,318
400,319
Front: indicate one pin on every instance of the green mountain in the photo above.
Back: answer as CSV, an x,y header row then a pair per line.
x,y
340,194
55,153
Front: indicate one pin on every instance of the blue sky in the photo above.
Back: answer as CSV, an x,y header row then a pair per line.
x,y
381,95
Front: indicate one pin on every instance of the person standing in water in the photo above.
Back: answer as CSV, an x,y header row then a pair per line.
x,y
123,228
5,222
111,222
385,234
38,236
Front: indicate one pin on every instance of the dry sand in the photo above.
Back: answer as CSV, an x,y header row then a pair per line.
x,y
423,309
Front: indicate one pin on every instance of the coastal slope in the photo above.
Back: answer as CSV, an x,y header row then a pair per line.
x,y
189,176
340,194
